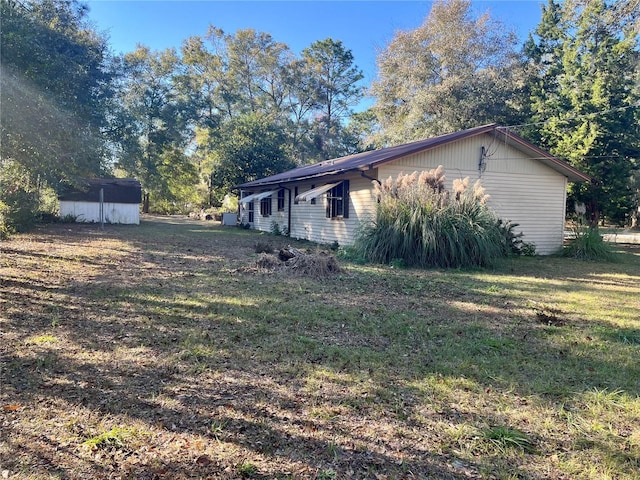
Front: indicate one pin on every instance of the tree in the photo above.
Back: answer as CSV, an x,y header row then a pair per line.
x,y
249,147
53,91
584,99
335,88
54,88
153,124
453,72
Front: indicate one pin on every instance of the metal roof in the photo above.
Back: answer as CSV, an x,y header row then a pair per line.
x,y
368,160
115,190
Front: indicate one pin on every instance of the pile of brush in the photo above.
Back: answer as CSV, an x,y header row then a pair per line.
x,y
298,262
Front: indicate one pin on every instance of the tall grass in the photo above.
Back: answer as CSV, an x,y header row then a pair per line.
x,y
586,243
423,224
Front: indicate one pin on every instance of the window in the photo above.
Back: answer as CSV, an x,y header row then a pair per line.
x,y
281,200
295,195
313,200
250,209
338,201
265,206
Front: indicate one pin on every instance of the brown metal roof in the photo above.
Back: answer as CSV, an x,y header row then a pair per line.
x,y
368,160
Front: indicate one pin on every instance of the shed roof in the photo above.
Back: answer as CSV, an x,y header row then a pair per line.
x,y
116,190
372,159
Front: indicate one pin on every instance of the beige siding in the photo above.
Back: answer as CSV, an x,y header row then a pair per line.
x,y
309,222
522,190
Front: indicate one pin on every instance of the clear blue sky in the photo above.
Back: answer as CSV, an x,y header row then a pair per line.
x,y
363,26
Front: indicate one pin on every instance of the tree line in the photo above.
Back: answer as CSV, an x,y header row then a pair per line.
x,y
225,108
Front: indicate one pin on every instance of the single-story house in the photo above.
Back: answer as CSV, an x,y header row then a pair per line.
x,y
119,202
325,202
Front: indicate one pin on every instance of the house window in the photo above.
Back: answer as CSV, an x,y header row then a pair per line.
x,y
265,206
281,200
313,200
338,201
250,208
295,195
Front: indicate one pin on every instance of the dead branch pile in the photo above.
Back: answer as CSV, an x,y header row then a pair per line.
x,y
297,262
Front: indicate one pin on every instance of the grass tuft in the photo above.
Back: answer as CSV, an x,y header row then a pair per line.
x,y
503,438
586,243
117,438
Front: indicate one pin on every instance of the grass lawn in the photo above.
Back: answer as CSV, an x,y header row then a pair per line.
x,y
161,351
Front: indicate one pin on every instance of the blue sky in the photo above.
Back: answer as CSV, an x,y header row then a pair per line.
x,y
363,26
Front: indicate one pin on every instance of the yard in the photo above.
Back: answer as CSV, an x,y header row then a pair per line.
x,y
163,352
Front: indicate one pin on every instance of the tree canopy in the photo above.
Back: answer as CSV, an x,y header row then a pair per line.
x,y
225,108
453,72
584,95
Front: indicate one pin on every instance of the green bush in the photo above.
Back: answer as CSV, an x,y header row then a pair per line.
x,y
419,222
4,228
20,199
586,243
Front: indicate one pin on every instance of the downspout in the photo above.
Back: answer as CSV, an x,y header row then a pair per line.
x,y
364,175
289,211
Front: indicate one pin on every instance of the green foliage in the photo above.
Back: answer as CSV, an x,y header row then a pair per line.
x,y
20,197
336,90
513,243
420,223
249,147
117,437
504,438
68,218
584,94
586,243
247,469
152,119
455,71
275,229
54,90
4,227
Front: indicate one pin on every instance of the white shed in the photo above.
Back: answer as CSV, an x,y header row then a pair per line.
x,y
107,200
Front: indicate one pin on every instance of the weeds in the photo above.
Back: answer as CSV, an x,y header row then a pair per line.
x,y
586,243
503,438
117,437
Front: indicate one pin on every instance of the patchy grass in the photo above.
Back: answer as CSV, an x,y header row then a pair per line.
x,y
158,345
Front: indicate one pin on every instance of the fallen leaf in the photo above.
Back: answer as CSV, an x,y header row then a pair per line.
x,y
12,407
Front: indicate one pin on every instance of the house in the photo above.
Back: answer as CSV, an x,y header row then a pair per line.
x,y
119,202
327,201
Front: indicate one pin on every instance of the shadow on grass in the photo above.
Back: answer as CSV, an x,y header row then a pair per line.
x,y
351,374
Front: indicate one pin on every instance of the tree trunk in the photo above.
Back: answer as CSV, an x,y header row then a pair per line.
x,y
145,203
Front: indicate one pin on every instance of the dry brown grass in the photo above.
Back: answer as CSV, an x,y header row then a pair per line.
x,y
152,352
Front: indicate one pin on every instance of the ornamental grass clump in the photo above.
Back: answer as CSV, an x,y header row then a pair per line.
x,y
419,221
586,243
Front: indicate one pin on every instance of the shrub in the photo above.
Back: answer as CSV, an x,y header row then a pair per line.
x,y
4,228
586,243
275,229
513,243
419,222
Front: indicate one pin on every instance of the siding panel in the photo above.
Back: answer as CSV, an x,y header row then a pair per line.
x,y
521,190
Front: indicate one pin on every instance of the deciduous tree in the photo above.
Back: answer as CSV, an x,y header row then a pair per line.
x,y
453,72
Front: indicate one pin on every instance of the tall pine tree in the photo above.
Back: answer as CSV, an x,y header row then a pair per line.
x,y
584,100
